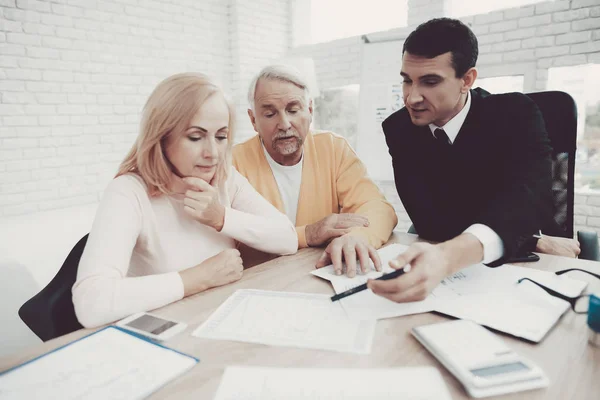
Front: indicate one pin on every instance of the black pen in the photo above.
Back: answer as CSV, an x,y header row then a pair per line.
x,y
360,288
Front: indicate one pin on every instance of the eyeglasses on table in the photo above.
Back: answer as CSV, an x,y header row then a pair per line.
x,y
579,304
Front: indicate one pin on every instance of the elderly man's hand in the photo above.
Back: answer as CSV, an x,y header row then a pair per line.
x,y
349,248
332,226
558,246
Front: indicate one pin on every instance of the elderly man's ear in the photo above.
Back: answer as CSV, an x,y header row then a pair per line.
x,y
252,119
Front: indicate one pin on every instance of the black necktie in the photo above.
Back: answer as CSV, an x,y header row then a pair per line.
x,y
442,138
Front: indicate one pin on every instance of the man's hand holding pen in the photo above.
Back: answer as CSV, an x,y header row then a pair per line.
x,y
428,267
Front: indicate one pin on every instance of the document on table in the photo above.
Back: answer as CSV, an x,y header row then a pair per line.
x,y
366,304
489,296
108,364
342,282
496,299
288,319
518,313
256,383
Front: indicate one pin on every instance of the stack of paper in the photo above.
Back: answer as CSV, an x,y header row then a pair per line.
x,y
488,296
288,319
254,383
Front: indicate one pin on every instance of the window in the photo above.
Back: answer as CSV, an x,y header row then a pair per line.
x,y
583,83
336,19
336,110
461,8
501,84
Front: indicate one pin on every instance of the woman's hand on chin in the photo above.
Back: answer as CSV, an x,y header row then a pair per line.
x,y
201,202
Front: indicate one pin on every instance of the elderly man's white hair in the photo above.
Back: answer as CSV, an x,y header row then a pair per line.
x,y
284,73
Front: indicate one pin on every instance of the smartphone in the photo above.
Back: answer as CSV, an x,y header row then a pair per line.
x,y
527,257
152,326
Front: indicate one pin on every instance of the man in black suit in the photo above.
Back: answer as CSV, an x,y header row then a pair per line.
x,y
473,170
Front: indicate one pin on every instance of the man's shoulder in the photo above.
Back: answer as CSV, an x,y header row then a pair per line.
x,y
328,139
249,142
325,135
398,119
501,101
399,129
241,151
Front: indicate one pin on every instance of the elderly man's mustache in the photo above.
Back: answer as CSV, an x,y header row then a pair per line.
x,y
285,135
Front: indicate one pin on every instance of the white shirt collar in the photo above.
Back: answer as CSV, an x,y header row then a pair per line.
x,y
453,126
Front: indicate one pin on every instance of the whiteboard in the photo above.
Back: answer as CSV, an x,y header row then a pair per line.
x,y
380,95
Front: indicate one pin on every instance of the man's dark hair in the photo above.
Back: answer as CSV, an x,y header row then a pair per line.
x,y
442,35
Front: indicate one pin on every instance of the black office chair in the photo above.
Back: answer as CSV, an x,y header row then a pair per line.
x,y
51,313
560,115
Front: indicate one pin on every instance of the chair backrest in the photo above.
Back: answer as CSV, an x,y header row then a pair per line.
x,y
51,313
560,116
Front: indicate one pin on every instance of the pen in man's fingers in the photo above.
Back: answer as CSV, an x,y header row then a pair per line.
x,y
360,288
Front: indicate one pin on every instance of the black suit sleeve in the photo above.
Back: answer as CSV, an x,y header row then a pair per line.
x,y
524,199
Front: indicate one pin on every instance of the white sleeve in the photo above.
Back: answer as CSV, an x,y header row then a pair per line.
x,y
255,222
103,293
493,247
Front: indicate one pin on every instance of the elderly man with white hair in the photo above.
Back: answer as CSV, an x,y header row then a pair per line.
x,y
315,178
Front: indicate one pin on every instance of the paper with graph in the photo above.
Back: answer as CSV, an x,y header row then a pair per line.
x,y
287,319
256,383
109,364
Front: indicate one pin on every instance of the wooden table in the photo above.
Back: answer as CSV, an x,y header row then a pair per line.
x,y
572,365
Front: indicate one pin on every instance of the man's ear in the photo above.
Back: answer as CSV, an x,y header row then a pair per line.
x,y
469,79
252,119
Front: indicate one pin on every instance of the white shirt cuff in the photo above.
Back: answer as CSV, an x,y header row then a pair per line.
x,y
493,247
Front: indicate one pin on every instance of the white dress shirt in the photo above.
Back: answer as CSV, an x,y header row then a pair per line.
x,y
288,178
493,247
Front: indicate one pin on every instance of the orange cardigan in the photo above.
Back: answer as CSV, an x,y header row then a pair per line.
x,y
334,180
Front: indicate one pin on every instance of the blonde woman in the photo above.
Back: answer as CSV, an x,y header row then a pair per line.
x,y
168,224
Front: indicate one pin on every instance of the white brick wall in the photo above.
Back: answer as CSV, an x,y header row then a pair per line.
x,y
74,76
254,44
337,63
549,34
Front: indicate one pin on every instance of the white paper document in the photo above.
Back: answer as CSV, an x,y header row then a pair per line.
x,y
342,282
518,313
494,298
288,319
255,383
489,296
109,364
366,304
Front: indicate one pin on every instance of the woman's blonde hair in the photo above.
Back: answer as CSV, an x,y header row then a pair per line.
x,y
169,111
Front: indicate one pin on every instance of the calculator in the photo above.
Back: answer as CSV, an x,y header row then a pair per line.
x,y
479,359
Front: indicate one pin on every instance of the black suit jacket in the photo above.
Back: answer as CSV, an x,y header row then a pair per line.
x,y
497,172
